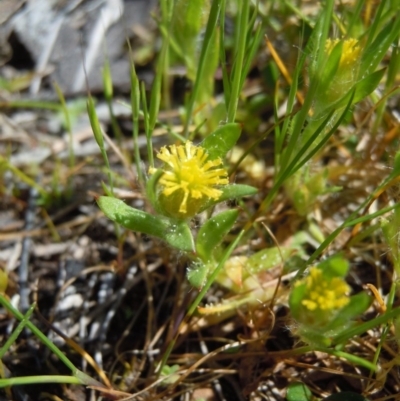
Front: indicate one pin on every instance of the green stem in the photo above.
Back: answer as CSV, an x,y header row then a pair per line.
x,y
147,131
364,327
31,104
14,381
68,126
239,58
15,312
23,177
211,26
350,357
349,223
98,135
135,104
200,296
17,331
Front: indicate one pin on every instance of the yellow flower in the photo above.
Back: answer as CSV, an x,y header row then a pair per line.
x,y
189,179
350,51
323,293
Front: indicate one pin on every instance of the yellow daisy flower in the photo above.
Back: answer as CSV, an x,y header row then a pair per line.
x,y
189,179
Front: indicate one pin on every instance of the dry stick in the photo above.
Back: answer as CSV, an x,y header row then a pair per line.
x,y
224,349
81,220
282,67
26,246
279,280
118,152
64,286
123,337
215,382
150,307
357,227
83,321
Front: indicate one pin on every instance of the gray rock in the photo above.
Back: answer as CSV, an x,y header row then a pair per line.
x,y
69,39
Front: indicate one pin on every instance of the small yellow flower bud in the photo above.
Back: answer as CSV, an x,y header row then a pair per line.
x,y
350,51
323,293
340,81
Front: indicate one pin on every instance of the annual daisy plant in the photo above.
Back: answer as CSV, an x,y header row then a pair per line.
x,y
190,180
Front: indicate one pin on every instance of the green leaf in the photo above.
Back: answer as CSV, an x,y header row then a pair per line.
x,y
213,232
135,104
168,373
179,236
151,190
396,164
358,304
315,337
345,396
187,22
361,328
362,89
335,266
206,89
98,135
207,42
298,392
3,281
230,192
197,274
222,140
131,218
368,84
266,259
176,234
94,122
375,52
330,68
236,191
296,296
242,26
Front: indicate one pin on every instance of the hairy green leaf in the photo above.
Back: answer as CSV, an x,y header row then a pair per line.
x,y
213,232
197,274
176,234
222,140
230,192
298,392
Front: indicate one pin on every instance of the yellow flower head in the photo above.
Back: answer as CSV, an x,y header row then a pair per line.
x,y
189,179
324,293
350,51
